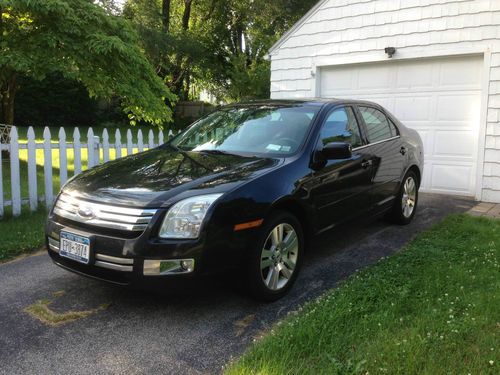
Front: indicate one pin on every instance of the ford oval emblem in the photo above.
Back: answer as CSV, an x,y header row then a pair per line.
x,y
86,212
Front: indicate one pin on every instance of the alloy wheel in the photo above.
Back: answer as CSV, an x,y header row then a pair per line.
x,y
409,198
279,256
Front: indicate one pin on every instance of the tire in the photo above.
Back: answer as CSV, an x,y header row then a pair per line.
x,y
405,204
272,270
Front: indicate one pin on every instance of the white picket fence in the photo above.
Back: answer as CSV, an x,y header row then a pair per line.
x,y
97,152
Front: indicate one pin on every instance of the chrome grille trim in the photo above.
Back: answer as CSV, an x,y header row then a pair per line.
x,y
113,266
108,258
53,244
105,216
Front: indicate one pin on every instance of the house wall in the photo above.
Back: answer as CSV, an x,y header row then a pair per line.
x,y
346,32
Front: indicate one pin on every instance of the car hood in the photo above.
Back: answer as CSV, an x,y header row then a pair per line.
x,y
154,177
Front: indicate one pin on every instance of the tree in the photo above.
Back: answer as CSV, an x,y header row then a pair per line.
x,y
170,44
82,41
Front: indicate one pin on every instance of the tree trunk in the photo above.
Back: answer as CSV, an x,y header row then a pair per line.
x,y
8,94
179,74
210,10
187,14
165,15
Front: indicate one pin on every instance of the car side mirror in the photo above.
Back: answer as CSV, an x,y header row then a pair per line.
x,y
336,151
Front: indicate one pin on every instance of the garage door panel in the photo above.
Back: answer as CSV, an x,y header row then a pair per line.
x,y
415,76
340,80
413,108
458,107
384,100
375,77
440,98
461,74
426,141
456,144
462,176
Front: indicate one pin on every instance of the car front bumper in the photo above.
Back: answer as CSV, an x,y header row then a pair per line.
x,y
142,258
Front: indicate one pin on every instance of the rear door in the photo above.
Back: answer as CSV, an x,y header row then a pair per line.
x,y
341,188
387,152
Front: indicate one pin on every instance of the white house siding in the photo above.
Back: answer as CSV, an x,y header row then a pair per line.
x,y
341,32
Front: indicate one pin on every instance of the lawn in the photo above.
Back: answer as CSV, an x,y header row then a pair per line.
x,y
432,309
23,156
20,235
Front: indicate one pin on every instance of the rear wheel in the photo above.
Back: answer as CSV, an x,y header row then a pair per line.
x,y
405,205
275,259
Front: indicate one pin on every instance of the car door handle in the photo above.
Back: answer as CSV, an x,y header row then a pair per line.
x,y
367,163
403,151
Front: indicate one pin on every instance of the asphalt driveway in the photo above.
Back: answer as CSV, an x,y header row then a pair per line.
x,y
191,332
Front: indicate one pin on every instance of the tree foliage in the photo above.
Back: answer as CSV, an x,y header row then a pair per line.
x,y
83,42
145,54
216,45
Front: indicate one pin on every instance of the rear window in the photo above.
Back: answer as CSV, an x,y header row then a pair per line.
x,y
377,125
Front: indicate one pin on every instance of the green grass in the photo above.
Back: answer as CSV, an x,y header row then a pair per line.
x,y
21,235
432,309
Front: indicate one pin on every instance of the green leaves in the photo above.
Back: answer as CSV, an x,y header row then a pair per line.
x,y
224,49
80,40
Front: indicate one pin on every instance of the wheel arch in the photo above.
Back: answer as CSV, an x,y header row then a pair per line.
x,y
300,212
414,168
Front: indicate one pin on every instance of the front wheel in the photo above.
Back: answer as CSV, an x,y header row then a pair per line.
x,y
275,259
405,205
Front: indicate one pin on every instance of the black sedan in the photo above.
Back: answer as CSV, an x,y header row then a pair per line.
x,y
244,187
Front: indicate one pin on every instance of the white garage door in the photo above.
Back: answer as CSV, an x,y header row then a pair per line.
x,y
440,98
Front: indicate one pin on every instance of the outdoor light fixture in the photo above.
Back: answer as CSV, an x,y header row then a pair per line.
x,y
391,51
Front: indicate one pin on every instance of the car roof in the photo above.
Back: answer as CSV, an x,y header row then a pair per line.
x,y
308,101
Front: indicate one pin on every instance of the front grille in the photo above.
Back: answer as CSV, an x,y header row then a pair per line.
x,y
103,215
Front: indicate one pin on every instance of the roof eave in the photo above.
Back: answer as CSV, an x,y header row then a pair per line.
x,y
298,24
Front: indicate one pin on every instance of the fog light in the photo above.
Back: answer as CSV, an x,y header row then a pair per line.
x,y
187,265
168,267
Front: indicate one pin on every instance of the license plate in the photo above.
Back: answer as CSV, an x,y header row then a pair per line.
x,y
75,247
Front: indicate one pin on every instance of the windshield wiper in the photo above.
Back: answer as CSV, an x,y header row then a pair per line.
x,y
215,152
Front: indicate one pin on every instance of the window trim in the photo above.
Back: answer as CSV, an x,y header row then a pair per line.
x,y
391,121
376,143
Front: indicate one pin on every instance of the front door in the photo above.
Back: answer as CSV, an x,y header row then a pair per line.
x,y
341,188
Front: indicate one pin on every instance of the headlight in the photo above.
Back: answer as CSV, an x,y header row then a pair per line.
x,y
185,218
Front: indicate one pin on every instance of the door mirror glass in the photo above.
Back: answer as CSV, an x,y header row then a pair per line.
x,y
336,151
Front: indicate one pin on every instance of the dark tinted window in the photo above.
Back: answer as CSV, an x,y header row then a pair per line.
x,y
341,126
377,125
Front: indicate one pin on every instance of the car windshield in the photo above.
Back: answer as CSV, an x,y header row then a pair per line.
x,y
257,129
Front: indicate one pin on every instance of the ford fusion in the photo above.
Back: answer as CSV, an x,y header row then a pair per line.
x,y
243,188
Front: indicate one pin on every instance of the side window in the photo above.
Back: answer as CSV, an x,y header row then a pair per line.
x,y
341,126
377,125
